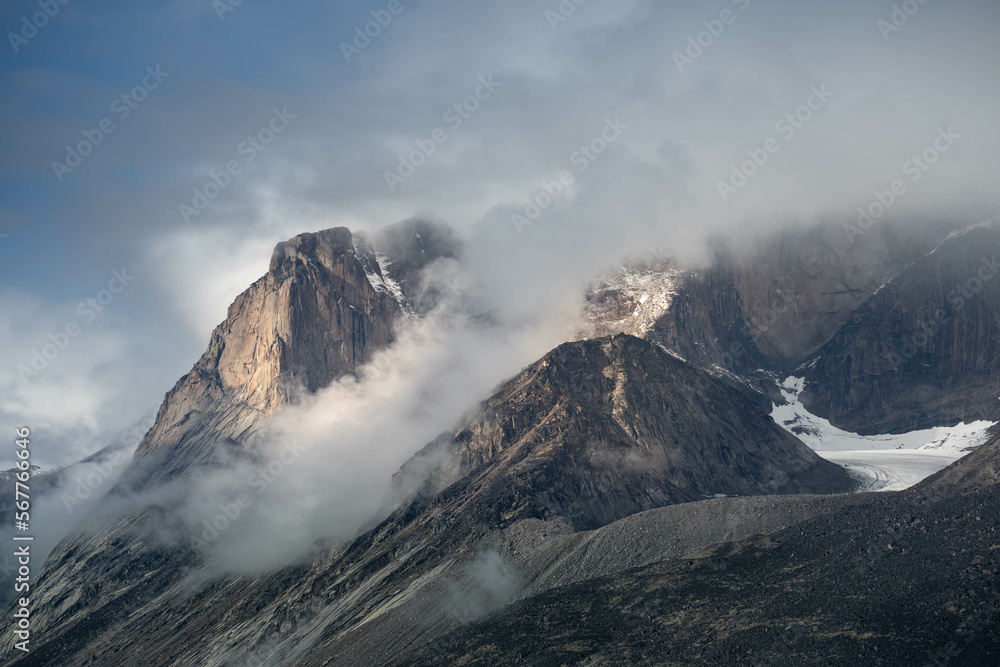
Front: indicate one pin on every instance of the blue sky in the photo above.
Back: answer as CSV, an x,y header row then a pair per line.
x,y
559,83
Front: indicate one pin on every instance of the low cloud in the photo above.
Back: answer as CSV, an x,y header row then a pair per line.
x,y
327,468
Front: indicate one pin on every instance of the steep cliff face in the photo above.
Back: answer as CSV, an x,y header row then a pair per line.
x,y
801,284
924,351
327,303
322,309
770,302
708,323
898,580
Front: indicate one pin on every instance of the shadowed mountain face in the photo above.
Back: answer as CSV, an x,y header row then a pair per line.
x,y
708,323
771,302
601,429
924,351
408,248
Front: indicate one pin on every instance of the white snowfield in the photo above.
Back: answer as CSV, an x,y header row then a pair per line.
x,y
882,462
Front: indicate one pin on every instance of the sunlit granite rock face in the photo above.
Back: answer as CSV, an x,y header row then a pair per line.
x,y
315,316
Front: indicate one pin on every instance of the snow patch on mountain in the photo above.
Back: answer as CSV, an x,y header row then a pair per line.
x,y
889,462
822,436
629,300
962,232
389,285
386,285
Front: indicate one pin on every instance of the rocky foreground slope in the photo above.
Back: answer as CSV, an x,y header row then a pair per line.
x,y
907,578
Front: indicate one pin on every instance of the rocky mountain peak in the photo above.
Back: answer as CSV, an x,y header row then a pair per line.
x,y
323,247
322,310
599,429
311,319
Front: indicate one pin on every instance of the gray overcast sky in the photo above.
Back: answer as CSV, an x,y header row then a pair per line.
x,y
886,95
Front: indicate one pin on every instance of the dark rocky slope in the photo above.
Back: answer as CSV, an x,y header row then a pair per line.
x,y
978,471
533,556
924,351
904,579
594,431
597,430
